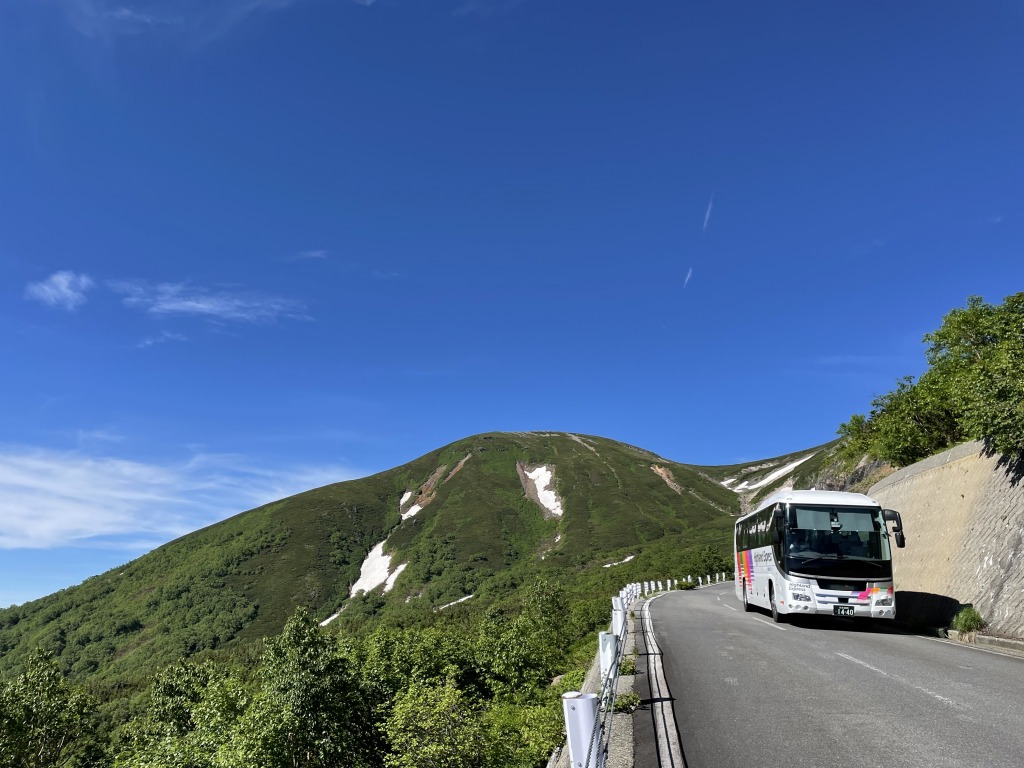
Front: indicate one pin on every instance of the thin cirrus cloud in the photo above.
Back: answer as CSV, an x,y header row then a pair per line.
x,y
182,299
64,289
161,338
109,19
52,498
200,20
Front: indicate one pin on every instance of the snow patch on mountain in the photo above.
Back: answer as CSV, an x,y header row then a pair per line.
x,y
454,602
542,478
621,562
771,478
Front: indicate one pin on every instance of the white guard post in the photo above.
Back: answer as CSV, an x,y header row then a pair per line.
x,y
618,616
607,644
580,710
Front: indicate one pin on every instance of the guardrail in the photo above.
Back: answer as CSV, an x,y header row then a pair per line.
x,y
588,716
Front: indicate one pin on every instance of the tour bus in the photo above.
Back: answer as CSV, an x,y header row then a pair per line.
x,y
817,553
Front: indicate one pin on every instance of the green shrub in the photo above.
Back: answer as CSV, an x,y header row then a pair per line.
x,y
968,620
628,666
627,702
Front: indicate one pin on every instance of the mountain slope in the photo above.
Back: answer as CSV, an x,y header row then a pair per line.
x,y
471,518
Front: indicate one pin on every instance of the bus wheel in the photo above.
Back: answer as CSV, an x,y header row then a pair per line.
x,y
746,605
776,616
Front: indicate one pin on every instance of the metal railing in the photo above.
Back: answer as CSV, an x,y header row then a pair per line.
x,y
589,717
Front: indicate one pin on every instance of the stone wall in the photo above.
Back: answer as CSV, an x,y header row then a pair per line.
x,y
964,521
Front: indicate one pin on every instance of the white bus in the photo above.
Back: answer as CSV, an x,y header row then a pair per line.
x,y
817,553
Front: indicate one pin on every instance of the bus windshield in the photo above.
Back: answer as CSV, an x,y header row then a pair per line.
x,y
837,541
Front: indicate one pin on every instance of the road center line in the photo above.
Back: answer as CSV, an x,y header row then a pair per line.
x,y
862,663
922,689
768,623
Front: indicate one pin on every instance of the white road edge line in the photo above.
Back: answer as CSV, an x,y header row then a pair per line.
x,y
966,647
670,753
729,607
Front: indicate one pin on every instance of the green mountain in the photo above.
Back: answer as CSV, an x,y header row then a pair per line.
x,y
470,522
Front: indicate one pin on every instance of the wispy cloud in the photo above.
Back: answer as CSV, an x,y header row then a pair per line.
x,y
203,20
167,299
50,498
61,289
86,437
307,255
689,274
707,213
110,18
161,338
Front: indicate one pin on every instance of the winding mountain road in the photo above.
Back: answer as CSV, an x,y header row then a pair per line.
x,y
746,692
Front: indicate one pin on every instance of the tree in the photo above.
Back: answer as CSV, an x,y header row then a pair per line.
x,y
191,718
434,725
913,421
516,652
979,353
44,721
310,711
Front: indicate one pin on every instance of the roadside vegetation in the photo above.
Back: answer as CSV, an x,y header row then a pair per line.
x,y
973,389
473,687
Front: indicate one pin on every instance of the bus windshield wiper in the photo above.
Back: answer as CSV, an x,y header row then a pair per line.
x,y
819,557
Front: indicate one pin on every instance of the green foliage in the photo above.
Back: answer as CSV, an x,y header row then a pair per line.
x,y
303,707
434,725
973,389
514,652
707,561
627,702
628,665
44,721
979,353
521,734
968,620
310,710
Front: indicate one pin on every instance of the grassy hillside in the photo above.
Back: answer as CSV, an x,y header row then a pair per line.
x,y
477,533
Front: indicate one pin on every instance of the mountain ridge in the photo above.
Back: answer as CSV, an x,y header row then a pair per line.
x,y
460,525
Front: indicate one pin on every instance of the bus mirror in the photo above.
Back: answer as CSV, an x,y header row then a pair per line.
x,y
892,516
777,517
776,536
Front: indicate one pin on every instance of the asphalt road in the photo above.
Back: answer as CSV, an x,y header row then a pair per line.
x,y
746,692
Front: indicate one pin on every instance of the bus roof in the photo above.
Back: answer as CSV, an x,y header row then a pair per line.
x,y
816,498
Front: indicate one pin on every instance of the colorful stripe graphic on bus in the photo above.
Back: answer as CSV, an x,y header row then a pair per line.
x,y
745,566
867,593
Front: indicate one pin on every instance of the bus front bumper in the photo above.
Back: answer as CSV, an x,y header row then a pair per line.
x,y
842,610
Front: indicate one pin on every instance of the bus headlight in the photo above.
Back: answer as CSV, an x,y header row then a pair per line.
x,y
801,596
887,600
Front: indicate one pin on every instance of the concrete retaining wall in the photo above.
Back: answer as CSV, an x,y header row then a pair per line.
x,y
964,521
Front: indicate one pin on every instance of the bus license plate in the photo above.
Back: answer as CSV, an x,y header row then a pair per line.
x,y
842,610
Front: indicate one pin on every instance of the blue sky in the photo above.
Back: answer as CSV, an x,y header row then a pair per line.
x,y
252,247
